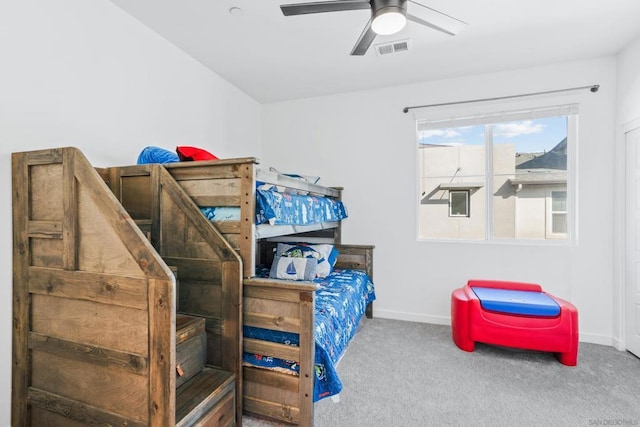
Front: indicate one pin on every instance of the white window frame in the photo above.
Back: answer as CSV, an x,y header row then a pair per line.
x,y
501,111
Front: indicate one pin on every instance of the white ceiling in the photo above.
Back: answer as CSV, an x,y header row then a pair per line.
x,y
273,58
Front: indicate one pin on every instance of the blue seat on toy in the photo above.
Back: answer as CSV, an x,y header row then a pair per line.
x,y
525,303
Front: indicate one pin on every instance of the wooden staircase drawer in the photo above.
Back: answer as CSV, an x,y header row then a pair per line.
x,y
208,399
222,414
191,345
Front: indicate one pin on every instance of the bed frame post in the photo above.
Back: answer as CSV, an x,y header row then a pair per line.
x,y
247,218
337,232
307,357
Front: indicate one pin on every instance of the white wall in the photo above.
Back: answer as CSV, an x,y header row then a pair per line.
x,y
364,142
628,79
628,110
85,74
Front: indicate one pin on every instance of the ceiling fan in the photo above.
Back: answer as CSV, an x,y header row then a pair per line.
x,y
387,17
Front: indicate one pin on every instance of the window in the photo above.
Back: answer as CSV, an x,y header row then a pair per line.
x,y
458,203
558,215
505,176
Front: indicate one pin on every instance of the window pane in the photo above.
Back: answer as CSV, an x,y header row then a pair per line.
x,y
529,159
458,201
452,158
559,200
559,223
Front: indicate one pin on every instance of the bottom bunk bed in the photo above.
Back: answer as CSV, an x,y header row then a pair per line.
x,y
295,332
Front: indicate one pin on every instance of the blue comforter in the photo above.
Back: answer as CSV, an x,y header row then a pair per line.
x,y
278,208
341,301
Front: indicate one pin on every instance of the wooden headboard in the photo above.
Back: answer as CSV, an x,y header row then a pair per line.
x,y
358,257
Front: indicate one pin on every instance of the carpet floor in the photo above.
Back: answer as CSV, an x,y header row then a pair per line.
x,y
405,374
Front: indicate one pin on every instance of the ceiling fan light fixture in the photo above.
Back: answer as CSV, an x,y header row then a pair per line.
x,y
389,20
386,17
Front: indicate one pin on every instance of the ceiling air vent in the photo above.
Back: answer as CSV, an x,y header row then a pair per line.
x,y
393,47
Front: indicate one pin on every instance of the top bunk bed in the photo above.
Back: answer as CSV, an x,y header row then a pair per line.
x,y
248,203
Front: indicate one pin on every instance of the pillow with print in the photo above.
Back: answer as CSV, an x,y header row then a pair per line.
x,y
291,268
321,251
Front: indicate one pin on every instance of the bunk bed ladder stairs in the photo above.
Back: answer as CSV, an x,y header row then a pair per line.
x,y
206,392
203,395
97,338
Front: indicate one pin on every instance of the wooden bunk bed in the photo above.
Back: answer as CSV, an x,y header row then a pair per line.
x,y
269,303
133,231
96,336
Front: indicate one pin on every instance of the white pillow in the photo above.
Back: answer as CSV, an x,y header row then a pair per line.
x,y
323,250
293,268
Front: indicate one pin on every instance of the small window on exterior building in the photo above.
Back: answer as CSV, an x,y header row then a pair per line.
x,y
459,203
558,214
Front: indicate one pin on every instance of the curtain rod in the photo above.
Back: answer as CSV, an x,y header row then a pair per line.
x,y
592,88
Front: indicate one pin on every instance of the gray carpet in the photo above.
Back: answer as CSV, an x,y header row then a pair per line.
x,y
407,374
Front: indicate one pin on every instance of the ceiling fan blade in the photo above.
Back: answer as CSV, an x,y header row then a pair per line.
x,y
365,40
424,15
324,6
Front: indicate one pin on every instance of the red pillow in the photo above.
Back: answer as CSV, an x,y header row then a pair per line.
x,y
187,154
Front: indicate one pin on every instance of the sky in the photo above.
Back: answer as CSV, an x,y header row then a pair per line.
x,y
529,136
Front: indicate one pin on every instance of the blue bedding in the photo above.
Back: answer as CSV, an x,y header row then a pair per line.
x,y
341,301
276,208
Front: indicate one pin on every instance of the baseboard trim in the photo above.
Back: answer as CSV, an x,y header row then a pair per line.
x,y
596,339
411,317
619,344
445,320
